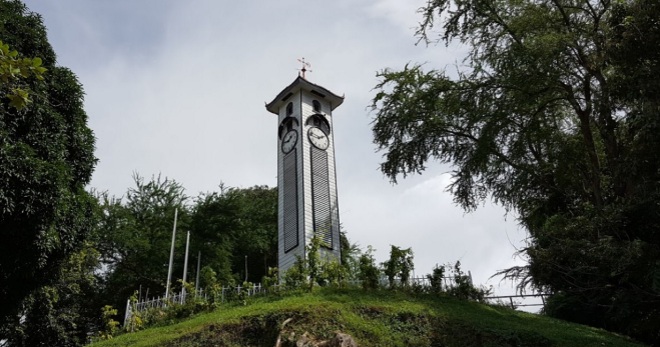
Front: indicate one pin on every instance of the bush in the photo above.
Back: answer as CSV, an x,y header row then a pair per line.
x,y
110,326
369,273
332,274
436,279
399,266
296,277
463,287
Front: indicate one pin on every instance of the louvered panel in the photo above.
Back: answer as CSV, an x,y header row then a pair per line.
x,y
290,202
321,196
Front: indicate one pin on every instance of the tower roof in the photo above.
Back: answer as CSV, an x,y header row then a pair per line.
x,y
303,84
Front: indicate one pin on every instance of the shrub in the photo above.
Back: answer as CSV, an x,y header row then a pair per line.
x,y
296,277
463,287
369,273
399,266
110,326
436,279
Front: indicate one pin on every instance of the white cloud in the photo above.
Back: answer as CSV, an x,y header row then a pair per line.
x,y
179,88
403,14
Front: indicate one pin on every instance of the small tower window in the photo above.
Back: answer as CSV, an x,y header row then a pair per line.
x,y
319,121
289,109
289,123
317,106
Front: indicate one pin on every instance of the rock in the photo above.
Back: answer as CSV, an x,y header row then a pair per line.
x,y
339,340
342,340
306,341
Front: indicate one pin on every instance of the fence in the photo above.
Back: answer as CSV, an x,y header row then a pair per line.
x,y
424,282
182,297
447,281
508,300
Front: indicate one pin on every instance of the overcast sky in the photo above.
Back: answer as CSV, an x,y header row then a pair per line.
x,y
178,88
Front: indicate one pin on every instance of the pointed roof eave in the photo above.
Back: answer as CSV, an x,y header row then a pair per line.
x,y
301,83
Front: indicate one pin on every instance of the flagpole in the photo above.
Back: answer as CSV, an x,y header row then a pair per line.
x,y
199,261
185,270
169,270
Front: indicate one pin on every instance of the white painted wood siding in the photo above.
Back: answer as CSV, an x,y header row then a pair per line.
x,y
302,110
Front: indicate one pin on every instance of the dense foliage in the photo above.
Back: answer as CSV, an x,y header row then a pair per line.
x,y
135,235
554,115
13,70
234,230
399,266
46,151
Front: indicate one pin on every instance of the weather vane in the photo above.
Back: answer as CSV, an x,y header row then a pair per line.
x,y
305,67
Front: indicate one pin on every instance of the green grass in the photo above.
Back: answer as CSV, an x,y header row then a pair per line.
x,y
380,318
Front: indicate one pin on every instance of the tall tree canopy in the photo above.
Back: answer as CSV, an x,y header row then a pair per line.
x,y
135,236
226,227
46,151
555,115
234,228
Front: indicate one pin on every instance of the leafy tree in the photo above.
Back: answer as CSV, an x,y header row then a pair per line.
x,y
61,313
399,266
212,222
232,225
313,261
110,326
555,116
297,277
46,151
462,287
369,273
436,279
136,235
316,268
12,70
349,257
256,237
225,227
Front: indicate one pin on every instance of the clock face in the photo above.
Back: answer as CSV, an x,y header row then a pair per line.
x,y
318,138
289,141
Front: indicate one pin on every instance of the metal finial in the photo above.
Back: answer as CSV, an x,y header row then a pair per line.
x,y
305,66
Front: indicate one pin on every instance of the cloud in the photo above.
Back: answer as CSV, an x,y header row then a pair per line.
x,y
178,88
403,14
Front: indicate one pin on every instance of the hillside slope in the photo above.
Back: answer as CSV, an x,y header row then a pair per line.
x,y
380,318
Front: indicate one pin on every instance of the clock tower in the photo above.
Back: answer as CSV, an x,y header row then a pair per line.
x,y
306,178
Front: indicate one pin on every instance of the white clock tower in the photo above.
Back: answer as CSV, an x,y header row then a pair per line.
x,y
306,176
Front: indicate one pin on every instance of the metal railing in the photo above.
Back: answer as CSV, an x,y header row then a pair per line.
x,y
182,297
255,289
508,300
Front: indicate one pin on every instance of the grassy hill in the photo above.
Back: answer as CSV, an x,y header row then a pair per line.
x,y
381,318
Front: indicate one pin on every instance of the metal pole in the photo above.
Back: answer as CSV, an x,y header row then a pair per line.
x,y
246,273
199,261
169,270
185,270
128,312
